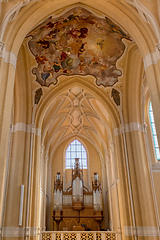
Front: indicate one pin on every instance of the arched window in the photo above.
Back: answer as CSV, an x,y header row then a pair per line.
x,y
154,132
76,150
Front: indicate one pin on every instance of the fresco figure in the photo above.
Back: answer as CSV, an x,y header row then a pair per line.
x,y
77,43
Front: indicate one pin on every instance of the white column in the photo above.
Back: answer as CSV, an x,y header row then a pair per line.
x,y
115,179
109,191
127,166
40,185
151,176
30,173
5,181
45,190
49,193
21,205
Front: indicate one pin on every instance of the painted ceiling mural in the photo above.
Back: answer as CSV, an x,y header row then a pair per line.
x,y
77,43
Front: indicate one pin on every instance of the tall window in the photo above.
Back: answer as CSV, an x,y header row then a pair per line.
x,y
76,150
154,132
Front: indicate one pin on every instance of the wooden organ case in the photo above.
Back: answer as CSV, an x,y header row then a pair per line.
x,y
77,208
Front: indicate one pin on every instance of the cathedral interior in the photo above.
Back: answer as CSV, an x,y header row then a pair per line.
x,y
80,119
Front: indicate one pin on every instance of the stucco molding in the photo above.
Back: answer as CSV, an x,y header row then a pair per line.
x,y
30,128
134,126
141,231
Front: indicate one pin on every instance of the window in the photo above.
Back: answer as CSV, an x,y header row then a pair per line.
x,y
154,132
76,150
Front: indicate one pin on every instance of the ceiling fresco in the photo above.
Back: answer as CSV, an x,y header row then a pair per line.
x,y
77,43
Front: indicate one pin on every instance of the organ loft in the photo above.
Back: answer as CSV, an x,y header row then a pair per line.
x,y
77,208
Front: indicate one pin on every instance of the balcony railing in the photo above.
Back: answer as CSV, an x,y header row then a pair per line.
x,y
78,235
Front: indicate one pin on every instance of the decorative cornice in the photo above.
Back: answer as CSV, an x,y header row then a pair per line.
x,y
30,128
134,126
141,231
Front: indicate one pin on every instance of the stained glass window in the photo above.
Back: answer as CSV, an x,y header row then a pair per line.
x,y
76,150
154,132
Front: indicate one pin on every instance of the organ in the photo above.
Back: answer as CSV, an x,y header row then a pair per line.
x,y
77,207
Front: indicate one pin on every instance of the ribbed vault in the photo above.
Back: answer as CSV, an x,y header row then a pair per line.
x,y
76,112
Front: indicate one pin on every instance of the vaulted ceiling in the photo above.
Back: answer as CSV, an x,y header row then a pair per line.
x,y
75,112
81,44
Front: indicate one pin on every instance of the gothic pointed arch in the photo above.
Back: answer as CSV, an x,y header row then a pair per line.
x,y
76,150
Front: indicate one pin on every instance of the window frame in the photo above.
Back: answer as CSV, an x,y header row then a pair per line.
x,y
76,149
153,132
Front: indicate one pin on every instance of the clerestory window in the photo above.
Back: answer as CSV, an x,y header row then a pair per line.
x,y
76,150
155,139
